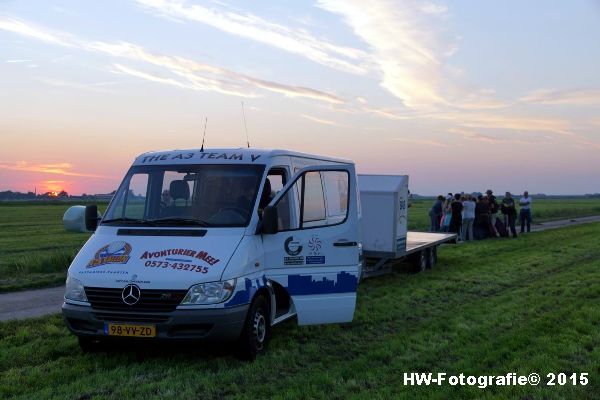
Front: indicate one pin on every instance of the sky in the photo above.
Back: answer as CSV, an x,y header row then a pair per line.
x,y
460,96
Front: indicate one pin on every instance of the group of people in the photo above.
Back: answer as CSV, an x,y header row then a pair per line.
x,y
478,216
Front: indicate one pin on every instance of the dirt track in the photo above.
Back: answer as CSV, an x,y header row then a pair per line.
x,y
35,303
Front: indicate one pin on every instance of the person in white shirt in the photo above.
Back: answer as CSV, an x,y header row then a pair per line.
x,y
525,213
468,216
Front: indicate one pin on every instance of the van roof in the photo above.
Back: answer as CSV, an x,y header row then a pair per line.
x,y
224,156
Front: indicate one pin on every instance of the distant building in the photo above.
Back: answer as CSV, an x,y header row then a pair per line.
x,y
106,196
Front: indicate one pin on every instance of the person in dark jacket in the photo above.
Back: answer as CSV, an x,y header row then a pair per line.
x,y
509,211
456,220
435,214
493,203
482,218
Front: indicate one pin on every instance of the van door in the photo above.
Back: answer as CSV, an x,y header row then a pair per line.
x,y
315,253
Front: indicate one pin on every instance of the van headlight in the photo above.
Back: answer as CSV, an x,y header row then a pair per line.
x,y
74,290
209,293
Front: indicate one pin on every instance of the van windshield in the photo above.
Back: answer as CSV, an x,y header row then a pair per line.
x,y
186,195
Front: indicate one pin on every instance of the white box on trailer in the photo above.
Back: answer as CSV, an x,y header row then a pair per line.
x,y
384,204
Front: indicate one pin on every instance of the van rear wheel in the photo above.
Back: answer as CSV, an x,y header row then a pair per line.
x,y
257,330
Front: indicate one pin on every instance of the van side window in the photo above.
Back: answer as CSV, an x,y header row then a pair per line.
x,y
314,199
336,193
276,180
277,177
323,197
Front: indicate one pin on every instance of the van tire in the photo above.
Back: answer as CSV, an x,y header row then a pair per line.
x,y
257,330
90,345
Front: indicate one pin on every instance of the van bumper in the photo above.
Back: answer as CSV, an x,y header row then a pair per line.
x,y
218,324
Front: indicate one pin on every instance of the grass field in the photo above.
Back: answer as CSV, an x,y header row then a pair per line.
x,y
35,250
492,307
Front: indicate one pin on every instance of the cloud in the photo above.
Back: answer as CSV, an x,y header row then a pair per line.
x,y
563,97
594,122
410,51
21,28
149,77
388,113
253,27
586,144
185,73
470,135
405,51
432,8
98,86
489,139
477,99
424,142
320,120
17,61
495,121
64,169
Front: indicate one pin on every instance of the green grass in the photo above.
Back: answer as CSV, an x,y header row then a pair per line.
x,y
492,307
35,249
543,210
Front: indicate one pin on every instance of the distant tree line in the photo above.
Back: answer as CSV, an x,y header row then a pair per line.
x,y
62,195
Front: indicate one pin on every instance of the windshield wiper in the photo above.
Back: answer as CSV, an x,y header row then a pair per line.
x,y
130,220
180,221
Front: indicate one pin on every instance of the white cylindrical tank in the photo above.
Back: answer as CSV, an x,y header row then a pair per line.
x,y
74,219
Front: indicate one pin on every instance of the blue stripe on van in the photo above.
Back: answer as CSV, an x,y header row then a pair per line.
x,y
305,284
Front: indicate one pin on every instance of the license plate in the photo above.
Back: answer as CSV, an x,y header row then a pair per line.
x,y
129,330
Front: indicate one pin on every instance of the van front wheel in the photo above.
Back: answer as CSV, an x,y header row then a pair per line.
x,y
257,330
90,345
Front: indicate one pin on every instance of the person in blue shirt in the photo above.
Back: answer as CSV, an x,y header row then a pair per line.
x,y
435,214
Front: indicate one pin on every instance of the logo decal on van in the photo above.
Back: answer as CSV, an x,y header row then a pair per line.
x,y
113,253
292,246
200,255
314,245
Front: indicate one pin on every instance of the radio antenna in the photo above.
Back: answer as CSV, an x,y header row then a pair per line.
x,y
204,134
245,127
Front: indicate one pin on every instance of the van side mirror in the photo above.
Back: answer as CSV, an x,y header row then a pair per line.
x,y
270,221
91,217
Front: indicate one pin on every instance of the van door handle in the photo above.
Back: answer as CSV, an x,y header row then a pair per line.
x,y
344,243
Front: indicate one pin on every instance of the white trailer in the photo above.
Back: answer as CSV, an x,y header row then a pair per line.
x,y
386,239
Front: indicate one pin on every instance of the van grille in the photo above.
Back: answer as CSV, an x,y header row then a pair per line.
x,y
132,317
151,300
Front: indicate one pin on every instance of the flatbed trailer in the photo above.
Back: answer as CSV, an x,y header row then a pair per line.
x,y
386,240
421,252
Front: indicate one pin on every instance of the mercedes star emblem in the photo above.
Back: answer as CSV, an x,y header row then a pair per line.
x,y
131,294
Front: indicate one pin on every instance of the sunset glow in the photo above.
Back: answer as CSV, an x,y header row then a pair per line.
x,y
459,95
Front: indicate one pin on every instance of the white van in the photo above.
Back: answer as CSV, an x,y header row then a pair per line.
x,y
218,244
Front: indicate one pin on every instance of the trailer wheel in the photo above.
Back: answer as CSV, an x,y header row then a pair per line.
x,y
419,261
431,257
257,330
